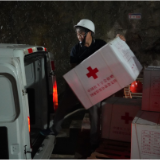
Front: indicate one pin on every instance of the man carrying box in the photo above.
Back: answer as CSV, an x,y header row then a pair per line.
x,y
87,45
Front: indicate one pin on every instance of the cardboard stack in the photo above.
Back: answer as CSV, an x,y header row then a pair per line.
x,y
108,70
117,116
151,89
146,136
145,141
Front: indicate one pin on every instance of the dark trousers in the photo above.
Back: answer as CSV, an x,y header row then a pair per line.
x,y
69,100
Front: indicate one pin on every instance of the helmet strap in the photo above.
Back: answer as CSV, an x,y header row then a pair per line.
x,y
84,40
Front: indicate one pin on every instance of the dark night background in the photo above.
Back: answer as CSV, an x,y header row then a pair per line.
x,y
50,24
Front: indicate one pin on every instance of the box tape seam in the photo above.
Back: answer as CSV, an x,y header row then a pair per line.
x,y
137,141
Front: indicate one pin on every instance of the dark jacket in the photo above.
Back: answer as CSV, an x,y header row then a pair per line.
x,y
78,53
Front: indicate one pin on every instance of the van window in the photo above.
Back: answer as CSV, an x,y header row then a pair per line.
x,y
8,98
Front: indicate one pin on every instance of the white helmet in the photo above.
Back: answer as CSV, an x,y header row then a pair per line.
x,y
86,23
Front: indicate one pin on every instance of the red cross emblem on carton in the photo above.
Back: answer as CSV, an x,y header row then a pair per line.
x,y
126,118
92,72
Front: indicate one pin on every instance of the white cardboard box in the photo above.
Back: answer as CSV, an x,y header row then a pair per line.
x,y
151,89
145,143
117,116
108,70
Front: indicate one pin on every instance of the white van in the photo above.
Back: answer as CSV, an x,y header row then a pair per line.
x,y
26,101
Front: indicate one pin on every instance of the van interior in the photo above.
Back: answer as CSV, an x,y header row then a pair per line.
x,y
39,100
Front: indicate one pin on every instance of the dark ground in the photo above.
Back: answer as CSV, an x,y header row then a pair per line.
x,y
72,142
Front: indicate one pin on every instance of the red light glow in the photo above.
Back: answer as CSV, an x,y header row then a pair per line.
x,y
29,124
55,96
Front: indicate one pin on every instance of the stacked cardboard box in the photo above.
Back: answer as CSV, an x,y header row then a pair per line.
x,y
117,116
145,141
151,89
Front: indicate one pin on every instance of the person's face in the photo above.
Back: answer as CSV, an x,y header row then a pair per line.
x,y
80,35
88,37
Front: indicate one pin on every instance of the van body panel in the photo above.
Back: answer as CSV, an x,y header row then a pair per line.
x,y
25,92
12,105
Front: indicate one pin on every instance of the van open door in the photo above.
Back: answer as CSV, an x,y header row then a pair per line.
x,y
39,89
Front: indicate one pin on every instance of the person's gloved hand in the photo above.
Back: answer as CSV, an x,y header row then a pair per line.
x,y
121,37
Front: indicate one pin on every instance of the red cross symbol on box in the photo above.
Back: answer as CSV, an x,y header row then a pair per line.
x,y
92,72
126,118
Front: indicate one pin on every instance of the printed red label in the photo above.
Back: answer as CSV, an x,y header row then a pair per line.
x,y
150,142
104,84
